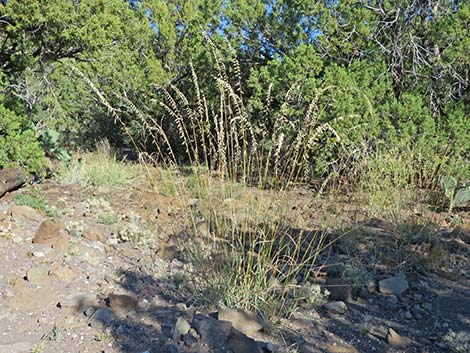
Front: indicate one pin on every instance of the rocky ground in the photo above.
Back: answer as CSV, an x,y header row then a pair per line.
x,y
86,280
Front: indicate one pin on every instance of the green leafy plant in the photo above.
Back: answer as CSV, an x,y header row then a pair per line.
x,y
50,139
457,192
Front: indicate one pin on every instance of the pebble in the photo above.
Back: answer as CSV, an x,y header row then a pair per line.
x,y
38,254
392,299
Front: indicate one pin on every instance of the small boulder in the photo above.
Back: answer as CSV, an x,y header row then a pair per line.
x,y
394,285
62,273
339,289
337,307
49,231
102,317
181,328
242,320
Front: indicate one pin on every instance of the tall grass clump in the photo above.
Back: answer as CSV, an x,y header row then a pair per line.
x,y
98,169
251,257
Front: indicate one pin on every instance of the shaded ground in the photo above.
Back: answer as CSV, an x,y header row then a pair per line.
x,y
56,296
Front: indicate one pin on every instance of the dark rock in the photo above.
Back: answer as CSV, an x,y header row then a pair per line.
x,y
338,289
213,332
460,233
394,285
392,299
170,348
189,340
240,343
102,317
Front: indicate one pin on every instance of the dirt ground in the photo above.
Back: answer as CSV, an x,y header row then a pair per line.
x,y
82,284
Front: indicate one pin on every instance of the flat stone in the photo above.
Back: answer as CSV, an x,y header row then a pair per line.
x,y
94,234
339,289
181,328
336,307
394,285
25,213
29,298
19,347
63,273
49,231
39,275
242,320
394,339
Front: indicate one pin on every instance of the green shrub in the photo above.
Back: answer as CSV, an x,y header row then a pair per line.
x,y
19,146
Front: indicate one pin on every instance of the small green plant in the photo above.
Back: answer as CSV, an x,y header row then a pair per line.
x,y
455,191
39,348
103,336
134,231
108,218
35,200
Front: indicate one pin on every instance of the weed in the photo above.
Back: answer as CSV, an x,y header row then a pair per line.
x,y
135,231
34,199
108,218
103,336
